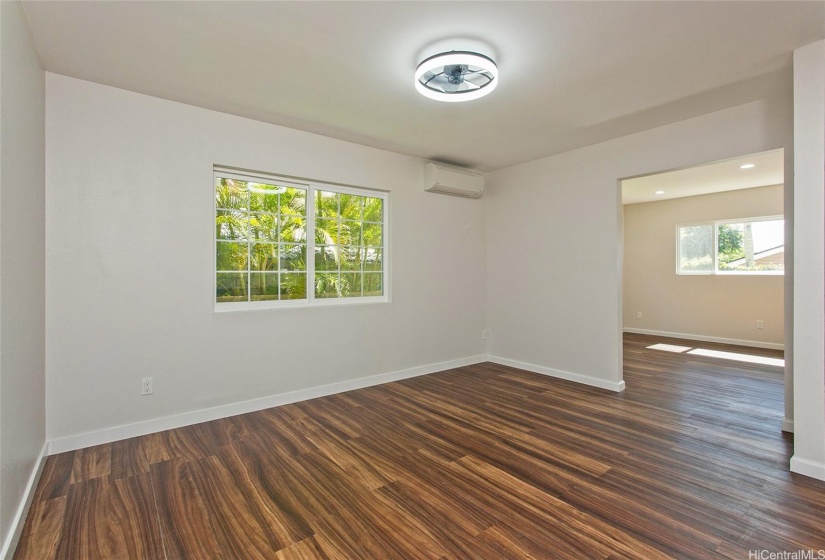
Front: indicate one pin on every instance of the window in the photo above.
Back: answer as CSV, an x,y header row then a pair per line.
x,y
281,243
696,249
750,246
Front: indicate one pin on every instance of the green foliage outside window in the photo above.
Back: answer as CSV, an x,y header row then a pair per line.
x,y
261,238
348,245
730,238
736,242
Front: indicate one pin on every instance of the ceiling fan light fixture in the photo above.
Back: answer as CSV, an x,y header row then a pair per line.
x,y
456,76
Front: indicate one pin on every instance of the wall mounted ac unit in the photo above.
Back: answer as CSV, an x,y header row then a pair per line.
x,y
455,181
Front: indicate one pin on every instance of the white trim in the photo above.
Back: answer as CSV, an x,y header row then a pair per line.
x,y
807,467
17,522
241,306
108,435
617,386
703,338
787,425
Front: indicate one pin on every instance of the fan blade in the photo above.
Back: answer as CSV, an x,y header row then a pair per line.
x,y
478,80
438,82
430,78
450,87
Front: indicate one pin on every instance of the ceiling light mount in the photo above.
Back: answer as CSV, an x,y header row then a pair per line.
x,y
456,76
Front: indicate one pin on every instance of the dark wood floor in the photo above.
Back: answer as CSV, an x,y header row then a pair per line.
x,y
478,462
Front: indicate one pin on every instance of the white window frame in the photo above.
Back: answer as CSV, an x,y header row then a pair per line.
x,y
715,229
311,186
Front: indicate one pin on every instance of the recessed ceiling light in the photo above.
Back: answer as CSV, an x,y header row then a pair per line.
x,y
747,166
456,76
659,192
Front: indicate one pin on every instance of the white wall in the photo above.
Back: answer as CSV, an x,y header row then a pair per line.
x,y
22,264
129,265
809,281
716,306
553,231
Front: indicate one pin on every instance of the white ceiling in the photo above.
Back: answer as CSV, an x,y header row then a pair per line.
x,y
572,73
714,177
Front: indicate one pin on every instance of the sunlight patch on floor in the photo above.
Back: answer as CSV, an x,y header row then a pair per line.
x,y
750,358
670,348
779,362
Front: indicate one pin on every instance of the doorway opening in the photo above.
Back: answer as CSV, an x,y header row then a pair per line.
x,y
704,252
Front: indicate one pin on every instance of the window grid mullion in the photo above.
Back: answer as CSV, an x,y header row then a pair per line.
x,y
279,238
248,249
310,218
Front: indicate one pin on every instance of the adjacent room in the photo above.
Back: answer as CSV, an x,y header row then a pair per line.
x,y
704,262
350,280
704,252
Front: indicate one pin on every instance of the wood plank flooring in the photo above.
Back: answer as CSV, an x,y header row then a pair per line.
x,y
481,462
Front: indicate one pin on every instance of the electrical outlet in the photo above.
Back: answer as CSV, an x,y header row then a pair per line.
x,y
146,386
638,314
484,334
760,324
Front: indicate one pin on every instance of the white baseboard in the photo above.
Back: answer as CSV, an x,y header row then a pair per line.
x,y
787,425
19,519
702,338
808,468
108,435
616,386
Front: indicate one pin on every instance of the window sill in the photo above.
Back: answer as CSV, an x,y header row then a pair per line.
x,y
733,273
231,307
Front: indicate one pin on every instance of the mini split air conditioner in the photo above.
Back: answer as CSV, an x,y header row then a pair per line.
x,y
455,181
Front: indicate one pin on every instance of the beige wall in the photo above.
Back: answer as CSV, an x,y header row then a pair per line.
x,y
716,306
